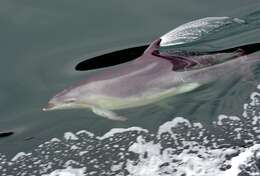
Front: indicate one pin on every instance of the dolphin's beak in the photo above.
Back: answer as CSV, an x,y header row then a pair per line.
x,y
49,107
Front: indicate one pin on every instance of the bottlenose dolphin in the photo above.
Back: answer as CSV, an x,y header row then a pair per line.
x,y
156,74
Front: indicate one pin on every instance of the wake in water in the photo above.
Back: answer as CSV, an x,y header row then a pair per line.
x,y
229,146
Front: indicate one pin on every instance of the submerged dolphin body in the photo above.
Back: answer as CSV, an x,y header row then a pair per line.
x,y
155,75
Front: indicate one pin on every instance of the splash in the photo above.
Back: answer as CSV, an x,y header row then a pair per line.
x,y
230,146
196,30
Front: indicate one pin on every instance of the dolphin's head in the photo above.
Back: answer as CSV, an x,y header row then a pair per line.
x,y
67,99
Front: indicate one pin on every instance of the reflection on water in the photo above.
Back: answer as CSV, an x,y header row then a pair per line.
x,y
108,59
5,133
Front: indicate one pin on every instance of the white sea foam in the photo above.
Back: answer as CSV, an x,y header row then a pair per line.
x,y
67,172
114,131
167,126
17,156
70,136
242,159
197,29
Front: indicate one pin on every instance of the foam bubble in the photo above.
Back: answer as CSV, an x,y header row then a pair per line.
x,y
67,172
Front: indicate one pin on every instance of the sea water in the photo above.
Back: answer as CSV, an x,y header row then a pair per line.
x,y
213,130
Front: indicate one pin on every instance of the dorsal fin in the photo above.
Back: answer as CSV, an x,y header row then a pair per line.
x,y
154,46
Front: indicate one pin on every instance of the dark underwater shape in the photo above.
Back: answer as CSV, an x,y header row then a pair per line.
x,y
6,134
111,59
126,55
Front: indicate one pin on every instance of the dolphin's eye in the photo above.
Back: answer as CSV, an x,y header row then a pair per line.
x,y
70,101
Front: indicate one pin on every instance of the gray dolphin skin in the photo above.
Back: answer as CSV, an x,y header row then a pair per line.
x,y
156,74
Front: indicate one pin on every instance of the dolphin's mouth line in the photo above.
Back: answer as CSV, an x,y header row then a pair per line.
x,y
53,106
49,107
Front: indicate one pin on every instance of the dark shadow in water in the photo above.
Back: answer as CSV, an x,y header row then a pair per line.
x,y
110,59
126,55
5,134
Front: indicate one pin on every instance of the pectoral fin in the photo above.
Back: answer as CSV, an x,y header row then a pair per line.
x,y
107,114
